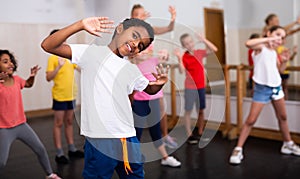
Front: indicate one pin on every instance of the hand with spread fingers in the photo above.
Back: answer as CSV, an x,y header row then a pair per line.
x,y
34,70
97,25
161,75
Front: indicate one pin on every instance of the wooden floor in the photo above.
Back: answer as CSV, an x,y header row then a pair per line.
x,y
262,160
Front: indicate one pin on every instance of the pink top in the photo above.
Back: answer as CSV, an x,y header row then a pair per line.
x,y
11,110
147,67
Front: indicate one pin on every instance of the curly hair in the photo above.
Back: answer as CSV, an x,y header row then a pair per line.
x,y
11,56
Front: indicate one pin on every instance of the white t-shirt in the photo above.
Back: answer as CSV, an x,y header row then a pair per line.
x,y
265,68
106,82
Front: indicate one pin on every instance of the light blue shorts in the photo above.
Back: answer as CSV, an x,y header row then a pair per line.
x,y
264,94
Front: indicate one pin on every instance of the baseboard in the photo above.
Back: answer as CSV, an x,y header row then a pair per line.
x,y
255,132
39,113
43,112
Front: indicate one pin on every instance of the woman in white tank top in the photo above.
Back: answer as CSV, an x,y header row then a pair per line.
x,y
267,88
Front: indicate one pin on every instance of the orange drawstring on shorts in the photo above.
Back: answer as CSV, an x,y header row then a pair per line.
x,y
125,156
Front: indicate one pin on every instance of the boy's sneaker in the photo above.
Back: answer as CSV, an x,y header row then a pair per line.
x,y
170,142
192,140
61,159
236,156
171,162
53,176
290,149
76,154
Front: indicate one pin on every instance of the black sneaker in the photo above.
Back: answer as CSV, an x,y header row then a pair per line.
x,y
192,140
76,154
61,160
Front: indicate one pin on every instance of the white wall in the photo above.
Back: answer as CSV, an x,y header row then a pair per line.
x,y
24,24
251,13
189,12
45,11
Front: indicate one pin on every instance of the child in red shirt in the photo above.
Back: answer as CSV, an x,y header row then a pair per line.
x,y
192,63
13,123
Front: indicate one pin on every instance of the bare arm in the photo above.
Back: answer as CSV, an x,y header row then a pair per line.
x,y
285,56
294,53
55,43
179,58
291,32
258,43
50,75
30,81
170,27
211,47
291,25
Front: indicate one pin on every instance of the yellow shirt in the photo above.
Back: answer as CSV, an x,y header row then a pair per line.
x,y
279,50
65,88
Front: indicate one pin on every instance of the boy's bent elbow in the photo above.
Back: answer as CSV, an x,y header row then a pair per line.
x,y
44,46
247,45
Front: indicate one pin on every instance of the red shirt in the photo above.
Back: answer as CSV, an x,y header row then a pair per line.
x,y
195,73
250,61
11,105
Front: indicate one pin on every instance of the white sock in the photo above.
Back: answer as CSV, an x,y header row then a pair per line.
x,y
238,148
289,143
49,176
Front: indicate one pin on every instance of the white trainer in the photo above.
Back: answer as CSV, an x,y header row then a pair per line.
x,y
53,176
171,162
236,156
290,149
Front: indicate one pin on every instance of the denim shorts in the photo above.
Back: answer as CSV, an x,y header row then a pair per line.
x,y
264,94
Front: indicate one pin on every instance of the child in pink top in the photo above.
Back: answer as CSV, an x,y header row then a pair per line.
x,y
13,124
139,12
146,108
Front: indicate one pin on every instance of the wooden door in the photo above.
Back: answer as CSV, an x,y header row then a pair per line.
x,y
214,32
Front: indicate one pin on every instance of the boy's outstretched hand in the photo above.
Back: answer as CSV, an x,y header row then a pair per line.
x,y
161,75
98,25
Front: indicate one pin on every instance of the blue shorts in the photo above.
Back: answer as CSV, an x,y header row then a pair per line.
x,y
285,76
264,94
103,156
192,96
63,105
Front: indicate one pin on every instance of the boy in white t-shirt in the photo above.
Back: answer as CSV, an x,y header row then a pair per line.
x,y
107,79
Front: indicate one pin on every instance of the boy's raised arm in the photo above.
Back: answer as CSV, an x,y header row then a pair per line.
x,y
94,25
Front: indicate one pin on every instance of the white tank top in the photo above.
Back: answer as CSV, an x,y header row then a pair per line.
x,y
265,68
